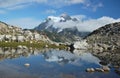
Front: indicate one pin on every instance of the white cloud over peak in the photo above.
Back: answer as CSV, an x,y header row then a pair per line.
x,y
93,24
85,23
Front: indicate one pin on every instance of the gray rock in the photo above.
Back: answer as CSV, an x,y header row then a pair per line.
x,y
24,47
19,47
20,38
2,37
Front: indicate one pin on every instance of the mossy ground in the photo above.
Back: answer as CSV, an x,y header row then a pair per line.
x,y
34,45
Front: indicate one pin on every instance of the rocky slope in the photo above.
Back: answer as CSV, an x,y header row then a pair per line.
x,y
13,33
105,44
61,29
106,38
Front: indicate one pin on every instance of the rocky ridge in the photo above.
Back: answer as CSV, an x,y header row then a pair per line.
x,y
105,43
10,33
105,38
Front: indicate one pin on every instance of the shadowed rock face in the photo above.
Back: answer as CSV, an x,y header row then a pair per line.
x,y
106,38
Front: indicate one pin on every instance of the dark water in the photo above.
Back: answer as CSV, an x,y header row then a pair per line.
x,y
49,64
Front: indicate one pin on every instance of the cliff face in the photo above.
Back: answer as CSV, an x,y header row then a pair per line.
x,y
106,38
13,33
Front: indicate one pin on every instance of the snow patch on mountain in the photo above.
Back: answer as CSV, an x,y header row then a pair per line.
x,y
55,19
60,23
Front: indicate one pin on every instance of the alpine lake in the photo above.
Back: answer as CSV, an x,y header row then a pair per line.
x,y
54,63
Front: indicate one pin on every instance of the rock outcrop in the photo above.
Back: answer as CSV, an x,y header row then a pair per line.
x,y
105,44
106,38
12,33
81,45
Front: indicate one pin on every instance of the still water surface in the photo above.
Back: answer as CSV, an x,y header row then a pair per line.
x,y
49,64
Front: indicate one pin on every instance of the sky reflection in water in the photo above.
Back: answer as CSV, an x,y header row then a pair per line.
x,y
50,64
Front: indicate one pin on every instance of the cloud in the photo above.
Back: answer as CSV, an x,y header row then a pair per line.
x,y
85,23
18,7
17,4
24,22
9,3
50,11
62,3
92,4
93,24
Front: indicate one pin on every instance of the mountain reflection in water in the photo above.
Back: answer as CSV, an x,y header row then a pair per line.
x,y
49,63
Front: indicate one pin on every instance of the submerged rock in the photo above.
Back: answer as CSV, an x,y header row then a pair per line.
x,y
27,64
90,70
99,69
106,68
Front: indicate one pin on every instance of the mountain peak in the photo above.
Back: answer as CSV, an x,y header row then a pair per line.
x,y
65,16
58,23
55,19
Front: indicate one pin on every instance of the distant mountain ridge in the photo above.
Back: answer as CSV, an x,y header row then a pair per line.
x,y
62,28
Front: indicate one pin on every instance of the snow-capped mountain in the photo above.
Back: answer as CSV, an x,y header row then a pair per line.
x,y
57,24
63,26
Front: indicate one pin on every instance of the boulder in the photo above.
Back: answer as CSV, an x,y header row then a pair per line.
x,y
2,37
105,68
90,70
24,47
19,47
36,36
81,44
13,38
27,64
20,38
8,37
99,69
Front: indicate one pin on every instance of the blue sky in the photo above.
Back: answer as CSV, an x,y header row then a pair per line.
x,y
30,13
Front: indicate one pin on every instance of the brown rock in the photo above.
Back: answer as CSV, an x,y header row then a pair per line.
x,y
106,68
90,70
99,69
